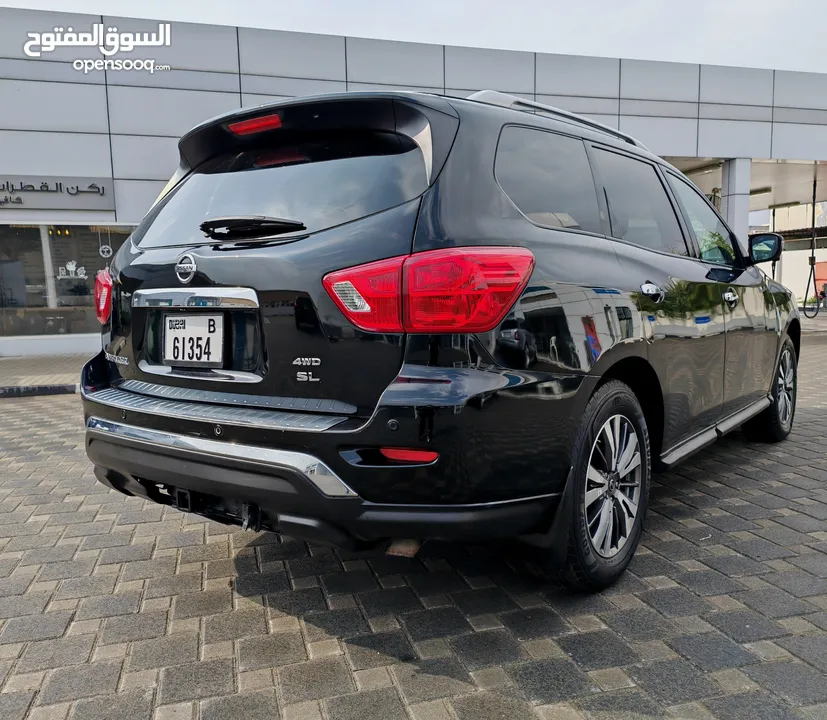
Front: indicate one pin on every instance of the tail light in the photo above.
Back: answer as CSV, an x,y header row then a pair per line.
x,y
103,296
460,290
255,125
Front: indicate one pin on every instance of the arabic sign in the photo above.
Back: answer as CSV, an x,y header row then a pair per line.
x,y
35,192
106,39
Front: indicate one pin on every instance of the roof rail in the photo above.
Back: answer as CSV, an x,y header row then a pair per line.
x,y
492,97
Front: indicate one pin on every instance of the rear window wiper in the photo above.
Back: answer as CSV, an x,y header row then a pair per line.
x,y
248,226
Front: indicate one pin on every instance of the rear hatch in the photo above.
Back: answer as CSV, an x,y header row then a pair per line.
x,y
219,290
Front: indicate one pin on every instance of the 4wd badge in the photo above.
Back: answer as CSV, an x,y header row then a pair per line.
x,y
307,376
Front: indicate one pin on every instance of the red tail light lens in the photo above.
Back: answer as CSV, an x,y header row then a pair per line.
x,y
369,295
460,290
412,456
255,125
103,296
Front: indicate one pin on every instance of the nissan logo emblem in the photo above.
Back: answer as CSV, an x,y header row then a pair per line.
x,y
185,268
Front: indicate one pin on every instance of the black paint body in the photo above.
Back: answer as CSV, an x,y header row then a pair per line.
x,y
501,413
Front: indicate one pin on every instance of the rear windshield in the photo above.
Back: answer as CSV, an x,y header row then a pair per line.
x,y
318,181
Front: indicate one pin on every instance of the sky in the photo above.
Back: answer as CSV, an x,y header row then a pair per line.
x,y
777,34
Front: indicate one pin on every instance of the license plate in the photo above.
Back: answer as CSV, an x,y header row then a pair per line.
x,y
193,340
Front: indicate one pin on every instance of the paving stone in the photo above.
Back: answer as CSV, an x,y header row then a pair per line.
x,y
57,653
773,602
146,569
708,582
620,705
235,625
354,581
143,626
597,650
673,681
745,626
14,586
297,602
98,542
15,705
43,556
129,705
484,649
379,649
318,565
432,679
760,549
178,649
810,648
436,623
108,606
489,705
179,539
18,605
36,627
534,623
262,583
197,604
383,704
80,681
757,705
637,624
392,601
199,680
483,602
797,683
245,706
173,585
548,681
335,623
440,582
386,565
283,551
314,680
270,651
675,602
800,584
567,603
126,553
814,563
735,566
86,587
712,651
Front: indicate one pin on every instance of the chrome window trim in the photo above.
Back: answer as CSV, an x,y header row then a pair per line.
x,y
237,298
316,472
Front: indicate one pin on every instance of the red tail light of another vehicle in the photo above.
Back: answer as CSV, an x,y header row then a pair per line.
x,y
103,296
459,290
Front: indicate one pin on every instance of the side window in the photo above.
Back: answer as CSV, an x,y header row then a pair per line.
x,y
548,177
639,208
712,235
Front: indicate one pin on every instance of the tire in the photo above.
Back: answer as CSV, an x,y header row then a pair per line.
x,y
776,422
592,565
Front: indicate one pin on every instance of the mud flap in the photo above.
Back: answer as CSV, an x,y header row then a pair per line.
x,y
556,538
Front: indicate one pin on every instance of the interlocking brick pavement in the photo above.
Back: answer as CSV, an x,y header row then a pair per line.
x,y
39,371
111,607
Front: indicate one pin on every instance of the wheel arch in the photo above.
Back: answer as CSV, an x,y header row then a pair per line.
x,y
640,376
794,333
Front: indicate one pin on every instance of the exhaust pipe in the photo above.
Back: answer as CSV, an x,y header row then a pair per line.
x,y
403,548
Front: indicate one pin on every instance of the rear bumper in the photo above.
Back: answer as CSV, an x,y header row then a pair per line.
x,y
284,491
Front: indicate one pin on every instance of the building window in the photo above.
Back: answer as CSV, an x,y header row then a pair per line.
x,y
47,276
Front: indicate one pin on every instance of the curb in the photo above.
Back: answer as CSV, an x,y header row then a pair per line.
x,y
39,390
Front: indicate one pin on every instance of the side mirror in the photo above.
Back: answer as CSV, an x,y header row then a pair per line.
x,y
765,247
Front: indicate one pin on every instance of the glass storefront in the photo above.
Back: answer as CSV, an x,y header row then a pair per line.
x,y
47,276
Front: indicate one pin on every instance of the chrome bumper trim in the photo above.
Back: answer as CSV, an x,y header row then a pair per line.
x,y
215,297
218,414
316,472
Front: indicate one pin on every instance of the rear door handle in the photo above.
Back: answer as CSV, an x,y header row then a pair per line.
x,y
652,291
731,297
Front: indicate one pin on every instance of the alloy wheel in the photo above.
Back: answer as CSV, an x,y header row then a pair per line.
x,y
613,484
785,388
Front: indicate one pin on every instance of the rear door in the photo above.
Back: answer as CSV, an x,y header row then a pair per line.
x,y
680,305
749,310
245,312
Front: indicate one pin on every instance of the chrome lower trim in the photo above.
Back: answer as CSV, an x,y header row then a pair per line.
x,y
218,414
173,392
211,375
210,297
316,472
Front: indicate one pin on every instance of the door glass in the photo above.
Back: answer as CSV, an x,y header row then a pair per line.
x,y
639,208
712,235
548,177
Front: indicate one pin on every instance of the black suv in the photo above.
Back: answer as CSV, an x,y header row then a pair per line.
x,y
391,317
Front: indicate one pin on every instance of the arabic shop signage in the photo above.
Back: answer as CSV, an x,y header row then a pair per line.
x,y
35,192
